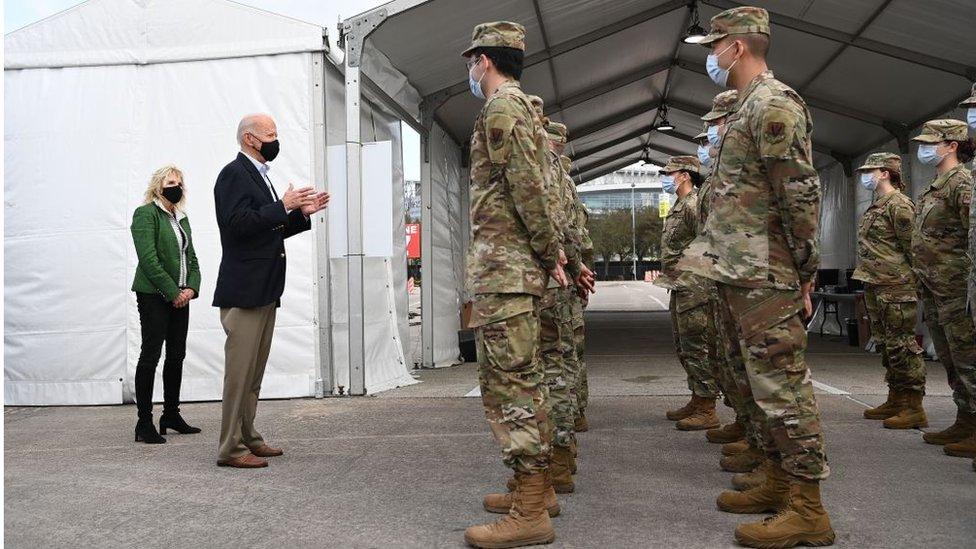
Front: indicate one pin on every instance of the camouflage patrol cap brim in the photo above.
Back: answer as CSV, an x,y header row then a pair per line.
x,y
537,103
682,163
882,161
556,131
703,134
741,20
499,34
970,101
722,105
946,129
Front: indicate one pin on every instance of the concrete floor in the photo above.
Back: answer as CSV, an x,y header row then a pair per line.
x,y
408,467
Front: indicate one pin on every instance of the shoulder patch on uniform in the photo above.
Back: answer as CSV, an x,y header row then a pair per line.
x,y
775,129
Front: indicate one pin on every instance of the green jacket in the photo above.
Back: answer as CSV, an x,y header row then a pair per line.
x,y
159,254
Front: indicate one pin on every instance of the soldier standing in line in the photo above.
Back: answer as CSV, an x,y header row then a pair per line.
x,y
884,265
760,245
514,244
940,257
970,105
585,285
689,298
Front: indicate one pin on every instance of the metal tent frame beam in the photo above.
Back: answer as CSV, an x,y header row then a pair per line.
x,y
595,92
887,50
556,50
626,152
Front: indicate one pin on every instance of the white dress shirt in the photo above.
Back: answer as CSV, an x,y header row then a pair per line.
x,y
263,168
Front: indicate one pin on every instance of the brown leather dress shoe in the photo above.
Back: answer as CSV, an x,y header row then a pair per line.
x,y
247,461
267,451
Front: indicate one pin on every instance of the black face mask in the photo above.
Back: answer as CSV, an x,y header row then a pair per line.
x,y
269,150
173,194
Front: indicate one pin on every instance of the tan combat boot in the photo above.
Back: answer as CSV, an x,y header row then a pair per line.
x,y
733,448
704,417
581,425
744,462
745,481
911,415
963,448
803,522
732,432
527,522
560,467
960,430
574,450
770,496
502,503
684,411
890,407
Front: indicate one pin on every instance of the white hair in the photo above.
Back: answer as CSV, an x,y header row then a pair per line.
x,y
248,124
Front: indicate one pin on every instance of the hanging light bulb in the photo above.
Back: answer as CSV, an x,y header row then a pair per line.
x,y
695,33
664,125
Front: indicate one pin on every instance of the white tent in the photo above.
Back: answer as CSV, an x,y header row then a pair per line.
x,y
99,96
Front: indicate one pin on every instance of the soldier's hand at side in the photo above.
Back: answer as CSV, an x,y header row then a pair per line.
x,y
560,275
586,280
806,289
562,258
294,199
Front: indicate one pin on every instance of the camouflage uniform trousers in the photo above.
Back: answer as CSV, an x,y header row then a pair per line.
x,y
690,325
773,341
513,390
954,338
559,363
893,311
579,342
722,365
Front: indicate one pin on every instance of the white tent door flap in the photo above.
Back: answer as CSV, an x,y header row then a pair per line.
x,y
377,200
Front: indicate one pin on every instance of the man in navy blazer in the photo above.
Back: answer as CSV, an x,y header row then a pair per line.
x,y
254,223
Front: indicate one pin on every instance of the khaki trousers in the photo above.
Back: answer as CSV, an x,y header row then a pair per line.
x,y
246,351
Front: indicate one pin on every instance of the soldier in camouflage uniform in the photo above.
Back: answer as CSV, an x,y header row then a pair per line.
x,y
884,265
760,244
689,297
940,257
970,105
584,286
514,244
722,369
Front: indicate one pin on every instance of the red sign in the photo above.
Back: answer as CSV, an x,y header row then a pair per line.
x,y
413,240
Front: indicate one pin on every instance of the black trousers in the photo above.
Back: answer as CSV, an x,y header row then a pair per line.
x,y
161,323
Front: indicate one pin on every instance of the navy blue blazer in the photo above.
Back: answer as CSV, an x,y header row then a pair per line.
x,y
253,228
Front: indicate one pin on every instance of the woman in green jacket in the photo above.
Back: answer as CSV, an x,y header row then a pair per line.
x,y
167,278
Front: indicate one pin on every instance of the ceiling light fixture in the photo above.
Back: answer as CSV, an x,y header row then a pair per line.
x,y
664,125
695,33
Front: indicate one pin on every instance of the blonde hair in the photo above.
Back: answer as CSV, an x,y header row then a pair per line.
x,y
155,190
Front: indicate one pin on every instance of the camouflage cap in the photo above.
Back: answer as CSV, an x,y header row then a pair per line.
x,y
882,161
499,34
946,129
722,105
971,100
557,132
741,20
703,134
537,104
682,163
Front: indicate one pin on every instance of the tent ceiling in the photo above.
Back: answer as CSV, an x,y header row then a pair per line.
x,y
605,67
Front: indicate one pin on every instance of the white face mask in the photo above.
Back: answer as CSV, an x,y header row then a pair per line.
x,y
714,139
929,155
719,75
868,181
475,85
971,117
703,156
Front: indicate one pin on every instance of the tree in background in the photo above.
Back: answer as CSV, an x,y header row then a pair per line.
x,y
612,235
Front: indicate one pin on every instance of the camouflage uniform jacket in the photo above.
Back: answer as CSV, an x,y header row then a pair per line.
x,y
764,206
514,241
940,239
680,228
562,214
579,215
885,241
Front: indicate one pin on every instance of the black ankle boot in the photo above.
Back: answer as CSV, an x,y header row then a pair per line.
x,y
176,423
146,432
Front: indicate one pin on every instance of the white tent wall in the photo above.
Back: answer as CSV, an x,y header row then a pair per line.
x,y
387,324
837,211
63,346
448,232
92,109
